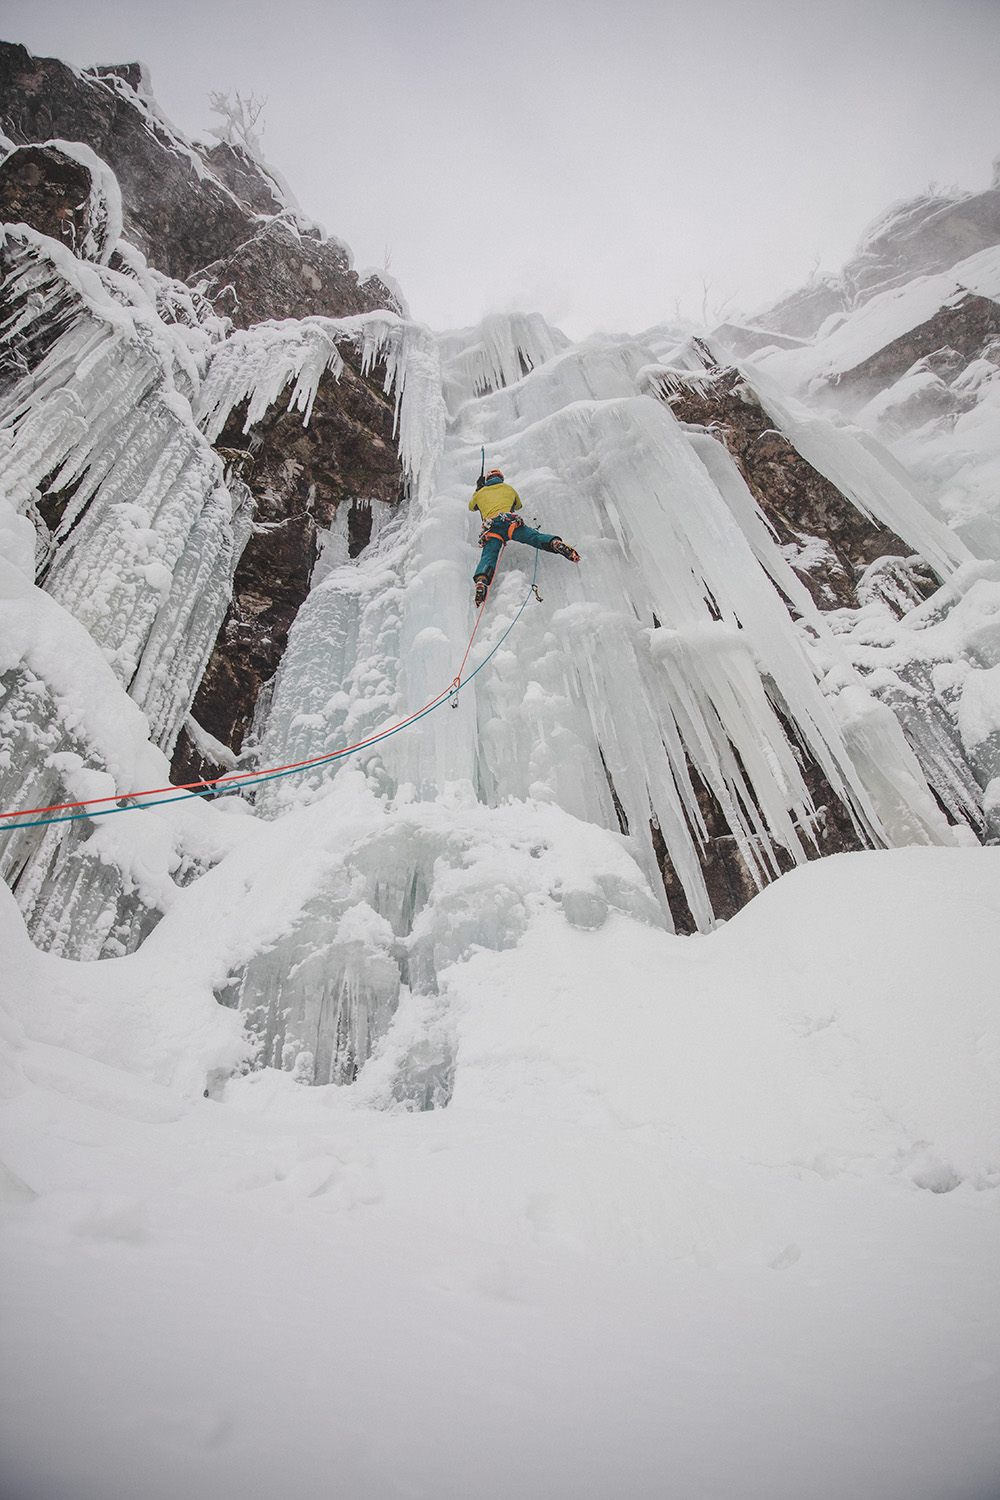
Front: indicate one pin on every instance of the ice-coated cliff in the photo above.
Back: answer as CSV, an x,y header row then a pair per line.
x,y
681,689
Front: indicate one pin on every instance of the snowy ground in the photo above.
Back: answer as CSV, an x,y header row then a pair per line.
x,y
709,1218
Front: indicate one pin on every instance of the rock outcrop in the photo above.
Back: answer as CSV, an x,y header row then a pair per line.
x,y
208,201
237,170
917,237
920,236
55,193
950,340
283,273
190,219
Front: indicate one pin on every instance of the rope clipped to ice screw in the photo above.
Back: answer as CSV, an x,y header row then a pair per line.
x,y
126,801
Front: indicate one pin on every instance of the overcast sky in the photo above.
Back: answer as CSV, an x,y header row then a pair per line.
x,y
597,160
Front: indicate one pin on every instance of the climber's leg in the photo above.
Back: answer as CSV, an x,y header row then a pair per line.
x,y
544,542
532,538
489,557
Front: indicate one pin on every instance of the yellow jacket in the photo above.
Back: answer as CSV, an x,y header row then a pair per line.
x,y
494,499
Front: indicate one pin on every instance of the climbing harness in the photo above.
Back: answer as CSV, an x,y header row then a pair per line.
x,y
125,801
500,528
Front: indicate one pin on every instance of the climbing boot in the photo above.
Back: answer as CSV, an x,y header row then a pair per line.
x,y
481,589
558,545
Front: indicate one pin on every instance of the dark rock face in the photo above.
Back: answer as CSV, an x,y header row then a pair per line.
x,y
803,507
948,341
280,273
188,222
299,477
243,176
43,187
180,221
132,73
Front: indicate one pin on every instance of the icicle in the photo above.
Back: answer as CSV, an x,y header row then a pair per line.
x,y
146,546
863,471
500,352
259,364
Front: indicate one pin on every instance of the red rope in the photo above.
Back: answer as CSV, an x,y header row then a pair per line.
x,y
479,615
247,776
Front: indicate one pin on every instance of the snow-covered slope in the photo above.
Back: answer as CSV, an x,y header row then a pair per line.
x,y
704,1216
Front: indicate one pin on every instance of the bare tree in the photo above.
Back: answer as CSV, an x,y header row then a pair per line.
x,y
715,312
241,124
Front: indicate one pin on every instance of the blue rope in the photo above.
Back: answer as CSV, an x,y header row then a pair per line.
x,y
254,780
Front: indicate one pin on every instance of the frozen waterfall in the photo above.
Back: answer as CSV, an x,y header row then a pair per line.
x,y
667,661
681,666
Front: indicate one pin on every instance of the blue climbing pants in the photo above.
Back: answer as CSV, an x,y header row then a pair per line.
x,y
502,529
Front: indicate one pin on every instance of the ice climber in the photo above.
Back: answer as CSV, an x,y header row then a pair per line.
x,y
496,503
